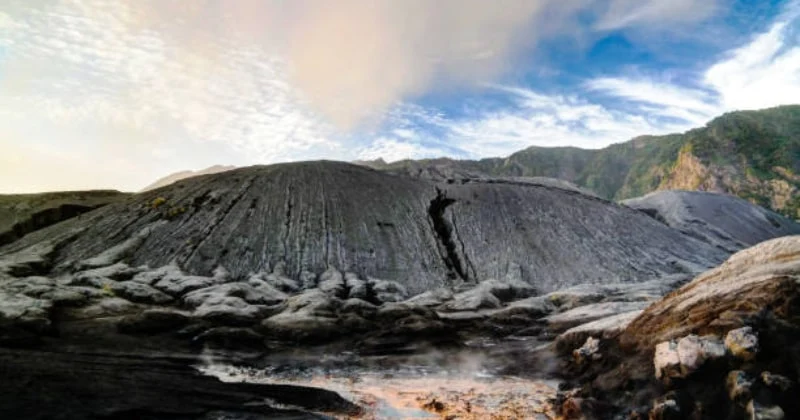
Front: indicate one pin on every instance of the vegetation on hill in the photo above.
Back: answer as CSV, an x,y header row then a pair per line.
x,y
752,154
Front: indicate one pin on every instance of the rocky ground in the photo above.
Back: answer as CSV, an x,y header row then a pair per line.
x,y
118,313
725,345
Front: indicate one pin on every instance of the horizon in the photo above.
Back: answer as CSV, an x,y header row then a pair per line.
x,y
101,95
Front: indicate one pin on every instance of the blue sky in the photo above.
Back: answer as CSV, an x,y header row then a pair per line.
x,y
107,94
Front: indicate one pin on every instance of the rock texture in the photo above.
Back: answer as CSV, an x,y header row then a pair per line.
x,y
725,221
307,217
726,345
21,214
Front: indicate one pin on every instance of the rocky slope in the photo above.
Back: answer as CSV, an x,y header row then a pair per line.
x,y
725,221
304,218
271,260
21,214
726,345
752,154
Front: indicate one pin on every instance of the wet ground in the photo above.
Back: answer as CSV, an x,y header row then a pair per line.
x,y
428,384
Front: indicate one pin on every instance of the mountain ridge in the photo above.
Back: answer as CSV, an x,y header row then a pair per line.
x,y
751,154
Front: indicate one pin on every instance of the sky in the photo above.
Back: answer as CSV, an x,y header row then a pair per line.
x,y
115,94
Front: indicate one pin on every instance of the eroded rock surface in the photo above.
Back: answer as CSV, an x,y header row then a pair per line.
x,y
724,221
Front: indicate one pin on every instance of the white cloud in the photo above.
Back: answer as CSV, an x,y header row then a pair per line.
x,y
664,99
392,150
620,14
549,120
764,72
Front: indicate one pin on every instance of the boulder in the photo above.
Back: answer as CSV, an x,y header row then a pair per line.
x,y
584,314
332,283
753,282
680,358
117,272
606,328
106,307
757,411
179,284
472,300
742,343
229,310
24,312
261,295
356,288
153,321
282,283
775,382
433,297
387,290
739,387
139,293
590,350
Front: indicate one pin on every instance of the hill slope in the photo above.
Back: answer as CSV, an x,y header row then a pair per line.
x,y
21,214
752,154
725,221
315,215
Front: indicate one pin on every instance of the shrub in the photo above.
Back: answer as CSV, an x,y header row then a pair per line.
x,y
158,202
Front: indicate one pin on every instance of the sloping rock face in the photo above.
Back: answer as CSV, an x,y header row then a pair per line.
x,y
725,221
307,217
21,214
759,281
726,345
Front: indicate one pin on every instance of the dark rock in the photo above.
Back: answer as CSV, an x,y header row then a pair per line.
x,y
153,321
231,338
139,293
378,225
722,220
42,385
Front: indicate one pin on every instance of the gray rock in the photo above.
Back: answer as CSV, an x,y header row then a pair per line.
x,y
111,306
681,358
332,283
139,293
356,287
584,314
509,289
315,215
607,328
589,351
472,300
70,296
263,295
742,343
433,297
229,310
359,306
722,220
34,286
282,283
179,284
20,311
153,321
308,279
118,272
310,316
757,411
387,290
